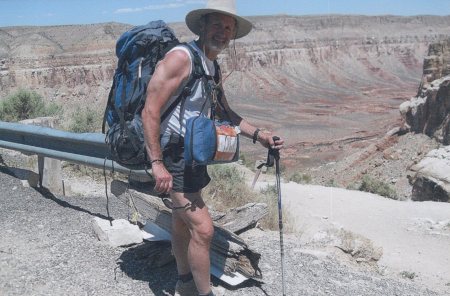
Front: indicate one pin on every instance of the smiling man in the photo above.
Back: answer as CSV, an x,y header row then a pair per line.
x,y
192,227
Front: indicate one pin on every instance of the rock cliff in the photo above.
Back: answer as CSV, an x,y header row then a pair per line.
x,y
429,113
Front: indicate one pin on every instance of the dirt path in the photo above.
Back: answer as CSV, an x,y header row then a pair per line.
x,y
415,236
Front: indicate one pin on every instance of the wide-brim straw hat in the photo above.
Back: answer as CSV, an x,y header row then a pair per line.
x,y
227,7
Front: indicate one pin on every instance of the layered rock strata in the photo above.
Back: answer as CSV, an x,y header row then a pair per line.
x,y
429,113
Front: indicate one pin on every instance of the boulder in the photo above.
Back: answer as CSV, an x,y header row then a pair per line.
x,y
431,180
121,233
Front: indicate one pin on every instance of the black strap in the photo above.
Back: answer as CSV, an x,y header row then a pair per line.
x,y
109,105
217,72
121,113
272,156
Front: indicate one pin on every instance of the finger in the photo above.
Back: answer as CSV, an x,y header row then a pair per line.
x,y
158,187
164,188
170,186
279,143
166,184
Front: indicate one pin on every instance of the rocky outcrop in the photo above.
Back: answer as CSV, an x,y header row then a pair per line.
x,y
429,112
437,63
432,176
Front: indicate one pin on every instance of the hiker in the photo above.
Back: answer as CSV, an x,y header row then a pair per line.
x,y
192,227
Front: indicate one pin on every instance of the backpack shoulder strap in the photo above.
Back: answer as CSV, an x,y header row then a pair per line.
x,y
196,73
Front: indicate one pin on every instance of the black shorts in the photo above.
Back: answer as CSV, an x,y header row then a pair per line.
x,y
186,179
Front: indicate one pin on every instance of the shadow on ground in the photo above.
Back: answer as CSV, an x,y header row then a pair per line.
x,y
151,262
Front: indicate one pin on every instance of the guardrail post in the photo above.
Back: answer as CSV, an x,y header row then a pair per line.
x,y
49,169
41,163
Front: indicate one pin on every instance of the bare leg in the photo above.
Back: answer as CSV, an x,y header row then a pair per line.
x,y
192,250
180,243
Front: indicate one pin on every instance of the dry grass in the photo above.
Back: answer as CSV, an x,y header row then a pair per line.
x,y
358,246
228,189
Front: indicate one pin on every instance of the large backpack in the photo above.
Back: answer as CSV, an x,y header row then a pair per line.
x,y
138,51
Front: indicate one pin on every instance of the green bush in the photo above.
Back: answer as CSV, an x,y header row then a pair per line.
x,y
372,185
85,120
300,178
228,188
331,183
25,104
408,274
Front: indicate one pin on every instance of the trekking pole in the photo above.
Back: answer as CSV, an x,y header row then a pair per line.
x,y
275,154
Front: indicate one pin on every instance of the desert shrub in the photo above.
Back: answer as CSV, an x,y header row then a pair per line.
x,y
300,178
25,104
408,275
359,247
85,120
228,188
353,186
269,196
331,183
247,161
372,185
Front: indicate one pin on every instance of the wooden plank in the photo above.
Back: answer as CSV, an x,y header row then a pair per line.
x,y
238,220
231,258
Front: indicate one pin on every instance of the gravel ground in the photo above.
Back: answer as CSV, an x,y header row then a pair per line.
x,y
48,248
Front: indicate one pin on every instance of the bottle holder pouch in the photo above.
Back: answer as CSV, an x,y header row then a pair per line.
x,y
210,141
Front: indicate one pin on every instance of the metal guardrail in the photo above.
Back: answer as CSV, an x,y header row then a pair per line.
x,y
82,148
87,149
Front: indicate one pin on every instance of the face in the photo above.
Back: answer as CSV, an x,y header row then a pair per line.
x,y
218,31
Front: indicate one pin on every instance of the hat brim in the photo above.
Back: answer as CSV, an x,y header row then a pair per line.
x,y
193,19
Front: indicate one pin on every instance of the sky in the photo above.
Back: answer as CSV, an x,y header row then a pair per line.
x,y
137,12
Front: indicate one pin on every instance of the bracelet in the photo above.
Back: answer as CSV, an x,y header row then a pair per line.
x,y
255,135
156,160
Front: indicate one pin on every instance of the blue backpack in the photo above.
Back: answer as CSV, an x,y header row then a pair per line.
x,y
138,51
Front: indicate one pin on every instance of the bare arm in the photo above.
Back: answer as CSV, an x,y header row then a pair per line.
x,y
169,75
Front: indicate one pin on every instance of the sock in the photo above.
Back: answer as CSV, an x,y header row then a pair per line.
x,y
209,294
185,277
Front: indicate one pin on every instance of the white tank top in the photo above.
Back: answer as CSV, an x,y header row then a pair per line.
x,y
194,102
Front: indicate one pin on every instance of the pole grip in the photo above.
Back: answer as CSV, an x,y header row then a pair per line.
x,y
275,153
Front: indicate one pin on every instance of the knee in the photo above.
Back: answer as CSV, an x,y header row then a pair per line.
x,y
203,234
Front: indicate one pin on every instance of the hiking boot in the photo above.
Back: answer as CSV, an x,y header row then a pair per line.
x,y
185,289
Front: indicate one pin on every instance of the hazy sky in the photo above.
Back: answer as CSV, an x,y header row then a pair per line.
x,y
61,12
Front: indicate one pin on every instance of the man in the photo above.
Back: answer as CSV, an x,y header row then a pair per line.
x,y
192,227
